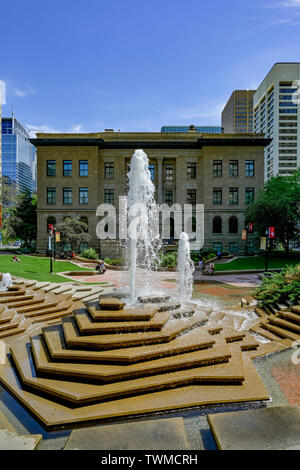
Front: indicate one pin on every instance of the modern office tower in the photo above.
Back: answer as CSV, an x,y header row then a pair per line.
x,y
237,116
18,156
204,129
276,114
79,172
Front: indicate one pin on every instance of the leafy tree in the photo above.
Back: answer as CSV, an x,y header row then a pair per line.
x,y
278,205
20,222
73,231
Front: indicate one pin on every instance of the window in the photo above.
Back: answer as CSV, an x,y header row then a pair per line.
x,y
51,195
191,170
83,246
233,196
250,247
233,247
83,168
169,172
83,196
249,168
217,225
67,195
51,220
217,247
109,196
109,170
217,195
249,195
233,224
233,168
169,197
217,168
67,167
191,196
152,171
51,168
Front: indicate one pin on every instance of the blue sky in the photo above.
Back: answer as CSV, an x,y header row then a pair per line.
x,y
134,65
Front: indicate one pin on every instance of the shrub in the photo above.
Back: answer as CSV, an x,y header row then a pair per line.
x,y
280,286
168,260
114,261
89,253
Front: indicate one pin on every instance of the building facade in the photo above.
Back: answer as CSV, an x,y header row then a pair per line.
x,y
237,116
18,156
276,114
202,129
78,172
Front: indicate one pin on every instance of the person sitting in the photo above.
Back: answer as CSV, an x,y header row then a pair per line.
x,y
15,258
103,267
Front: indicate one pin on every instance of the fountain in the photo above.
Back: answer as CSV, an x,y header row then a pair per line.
x,y
185,267
144,241
5,282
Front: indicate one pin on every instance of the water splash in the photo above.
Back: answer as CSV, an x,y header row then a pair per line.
x,y
185,267
143,232
6,281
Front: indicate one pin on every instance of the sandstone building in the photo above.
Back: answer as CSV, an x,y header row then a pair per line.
x,y
77,172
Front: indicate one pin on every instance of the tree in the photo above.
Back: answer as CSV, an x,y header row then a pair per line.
x,y
73,231
20,222
278,205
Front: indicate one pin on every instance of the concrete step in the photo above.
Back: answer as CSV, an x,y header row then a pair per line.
x,y
283,333
110,372
13,293
53,414
124,340
86,325
16,299
289,316
23,325
6,316
47,309
128,314
296,309
265,333
190,341
13,323
284,323
260,312
52,316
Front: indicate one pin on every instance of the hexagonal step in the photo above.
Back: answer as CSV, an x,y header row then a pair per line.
x,y
190,341
54,415
87,326
111,372
128,314
83,393
111,303
124,340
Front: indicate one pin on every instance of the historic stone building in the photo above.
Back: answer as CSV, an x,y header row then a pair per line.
x,y
78,172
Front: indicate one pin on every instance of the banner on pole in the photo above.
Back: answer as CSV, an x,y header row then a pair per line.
x,y
244,234
263,243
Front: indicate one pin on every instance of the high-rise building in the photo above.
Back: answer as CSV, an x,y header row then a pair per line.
x,y
18,155
203,129
276,114
237,116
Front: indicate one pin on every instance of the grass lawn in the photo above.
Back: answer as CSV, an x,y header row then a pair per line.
x,y
258,262
37,268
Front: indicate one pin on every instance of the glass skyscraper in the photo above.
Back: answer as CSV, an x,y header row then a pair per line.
x,y
18,156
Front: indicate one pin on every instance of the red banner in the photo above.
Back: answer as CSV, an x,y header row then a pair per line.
x,y
271,232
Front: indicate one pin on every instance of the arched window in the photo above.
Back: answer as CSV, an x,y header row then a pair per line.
x,y
233,224
85,221
217,225
50,220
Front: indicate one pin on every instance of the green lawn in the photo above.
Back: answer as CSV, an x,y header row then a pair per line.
x,y
258,262
31,267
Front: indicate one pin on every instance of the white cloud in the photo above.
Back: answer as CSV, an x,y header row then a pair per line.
x,y
76,128
44,128
26,92
2,92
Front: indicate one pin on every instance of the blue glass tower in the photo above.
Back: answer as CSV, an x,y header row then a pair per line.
x,y
18,156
